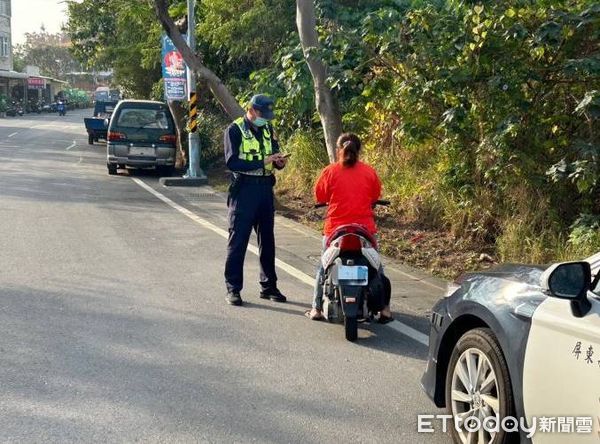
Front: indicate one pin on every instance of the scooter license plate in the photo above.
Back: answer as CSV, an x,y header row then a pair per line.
x,y
353,275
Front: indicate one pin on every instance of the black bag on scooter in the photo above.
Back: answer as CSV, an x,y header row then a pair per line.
x,y
380,291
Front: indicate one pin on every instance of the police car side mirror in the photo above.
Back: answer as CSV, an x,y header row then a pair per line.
x,y
569,280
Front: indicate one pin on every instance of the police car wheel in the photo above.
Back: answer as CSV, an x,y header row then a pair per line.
x,y
478,389
112,169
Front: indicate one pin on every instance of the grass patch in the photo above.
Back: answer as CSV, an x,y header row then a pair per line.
x,y
309,157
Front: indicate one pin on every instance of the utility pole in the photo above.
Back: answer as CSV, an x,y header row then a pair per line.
x,y
194,171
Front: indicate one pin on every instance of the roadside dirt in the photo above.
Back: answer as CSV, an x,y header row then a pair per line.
x,y
435,251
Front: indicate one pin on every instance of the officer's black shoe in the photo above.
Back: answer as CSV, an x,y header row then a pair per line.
x,y
234,298
274,295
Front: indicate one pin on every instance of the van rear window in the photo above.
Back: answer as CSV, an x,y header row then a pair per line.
x,y
143,118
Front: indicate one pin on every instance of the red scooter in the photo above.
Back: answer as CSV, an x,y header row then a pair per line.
x,y
354,286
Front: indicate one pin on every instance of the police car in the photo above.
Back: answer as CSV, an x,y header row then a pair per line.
x,y
519,344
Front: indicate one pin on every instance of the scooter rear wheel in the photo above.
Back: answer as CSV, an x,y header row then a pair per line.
x,y
351,327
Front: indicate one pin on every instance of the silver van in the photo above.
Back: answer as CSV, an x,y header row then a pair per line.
x,y
141,134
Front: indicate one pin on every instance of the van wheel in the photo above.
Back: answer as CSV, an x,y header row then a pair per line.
x,y
478,388
165,171
112,169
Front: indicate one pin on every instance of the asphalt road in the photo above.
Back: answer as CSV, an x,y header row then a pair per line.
x,y
113,325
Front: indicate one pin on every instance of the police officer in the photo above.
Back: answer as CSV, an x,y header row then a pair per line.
x,y
251,154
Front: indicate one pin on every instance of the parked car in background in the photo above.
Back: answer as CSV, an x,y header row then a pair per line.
x,y
102,93
97,126
520,342
141,134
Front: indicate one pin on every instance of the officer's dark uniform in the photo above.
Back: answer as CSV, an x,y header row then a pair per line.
x,y
250,203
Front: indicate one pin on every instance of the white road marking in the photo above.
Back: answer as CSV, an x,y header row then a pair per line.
x,y
71,146
417,279
292,271
13,134
410,332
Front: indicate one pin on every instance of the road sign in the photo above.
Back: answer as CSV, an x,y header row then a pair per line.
x,y
36,83
174,71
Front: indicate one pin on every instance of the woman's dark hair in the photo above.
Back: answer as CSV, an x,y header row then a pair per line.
x,y
350,145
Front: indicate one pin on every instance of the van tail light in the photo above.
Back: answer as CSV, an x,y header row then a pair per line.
x,y
114,136
168,138
350,243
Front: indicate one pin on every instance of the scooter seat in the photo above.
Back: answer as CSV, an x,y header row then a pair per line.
x,y
355,229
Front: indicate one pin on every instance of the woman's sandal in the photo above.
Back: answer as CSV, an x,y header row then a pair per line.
x,y
383,319
318,317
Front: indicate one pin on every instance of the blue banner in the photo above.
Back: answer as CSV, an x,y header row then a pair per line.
x,y
173,71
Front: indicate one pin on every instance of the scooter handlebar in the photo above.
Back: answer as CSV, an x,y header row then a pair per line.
x,y
381,202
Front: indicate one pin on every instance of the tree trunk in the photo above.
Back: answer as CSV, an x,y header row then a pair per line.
x,y
327,104
216,86
179,115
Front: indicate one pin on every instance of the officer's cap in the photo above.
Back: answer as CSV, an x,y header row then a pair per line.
x,y
264,104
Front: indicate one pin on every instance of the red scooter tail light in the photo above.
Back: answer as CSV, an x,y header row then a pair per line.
x,y
350,243
114,136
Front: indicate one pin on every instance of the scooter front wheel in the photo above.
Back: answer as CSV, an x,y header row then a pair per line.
x,y
351,327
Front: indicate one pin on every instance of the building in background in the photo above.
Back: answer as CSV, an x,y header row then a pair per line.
x,y
12,84
89,80
29,86
42,88
6,62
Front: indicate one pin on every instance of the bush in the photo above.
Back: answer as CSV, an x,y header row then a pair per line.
x,y
486,118
3,103
584,237
410,174
210,131
308,159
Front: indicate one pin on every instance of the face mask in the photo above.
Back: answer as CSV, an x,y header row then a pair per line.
x,y
260,121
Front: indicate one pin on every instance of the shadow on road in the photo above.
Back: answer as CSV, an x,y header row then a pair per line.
x,y
69,358
379,337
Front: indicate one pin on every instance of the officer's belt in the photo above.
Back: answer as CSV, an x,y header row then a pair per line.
x,y
261,180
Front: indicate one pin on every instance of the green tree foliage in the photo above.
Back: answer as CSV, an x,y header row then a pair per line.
x,y
506,92
477,113
3,103
482,116
342,50
77,97
238,39
92,26
246,34
120,35
50,52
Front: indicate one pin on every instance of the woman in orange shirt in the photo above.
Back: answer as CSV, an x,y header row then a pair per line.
x,y
350,187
